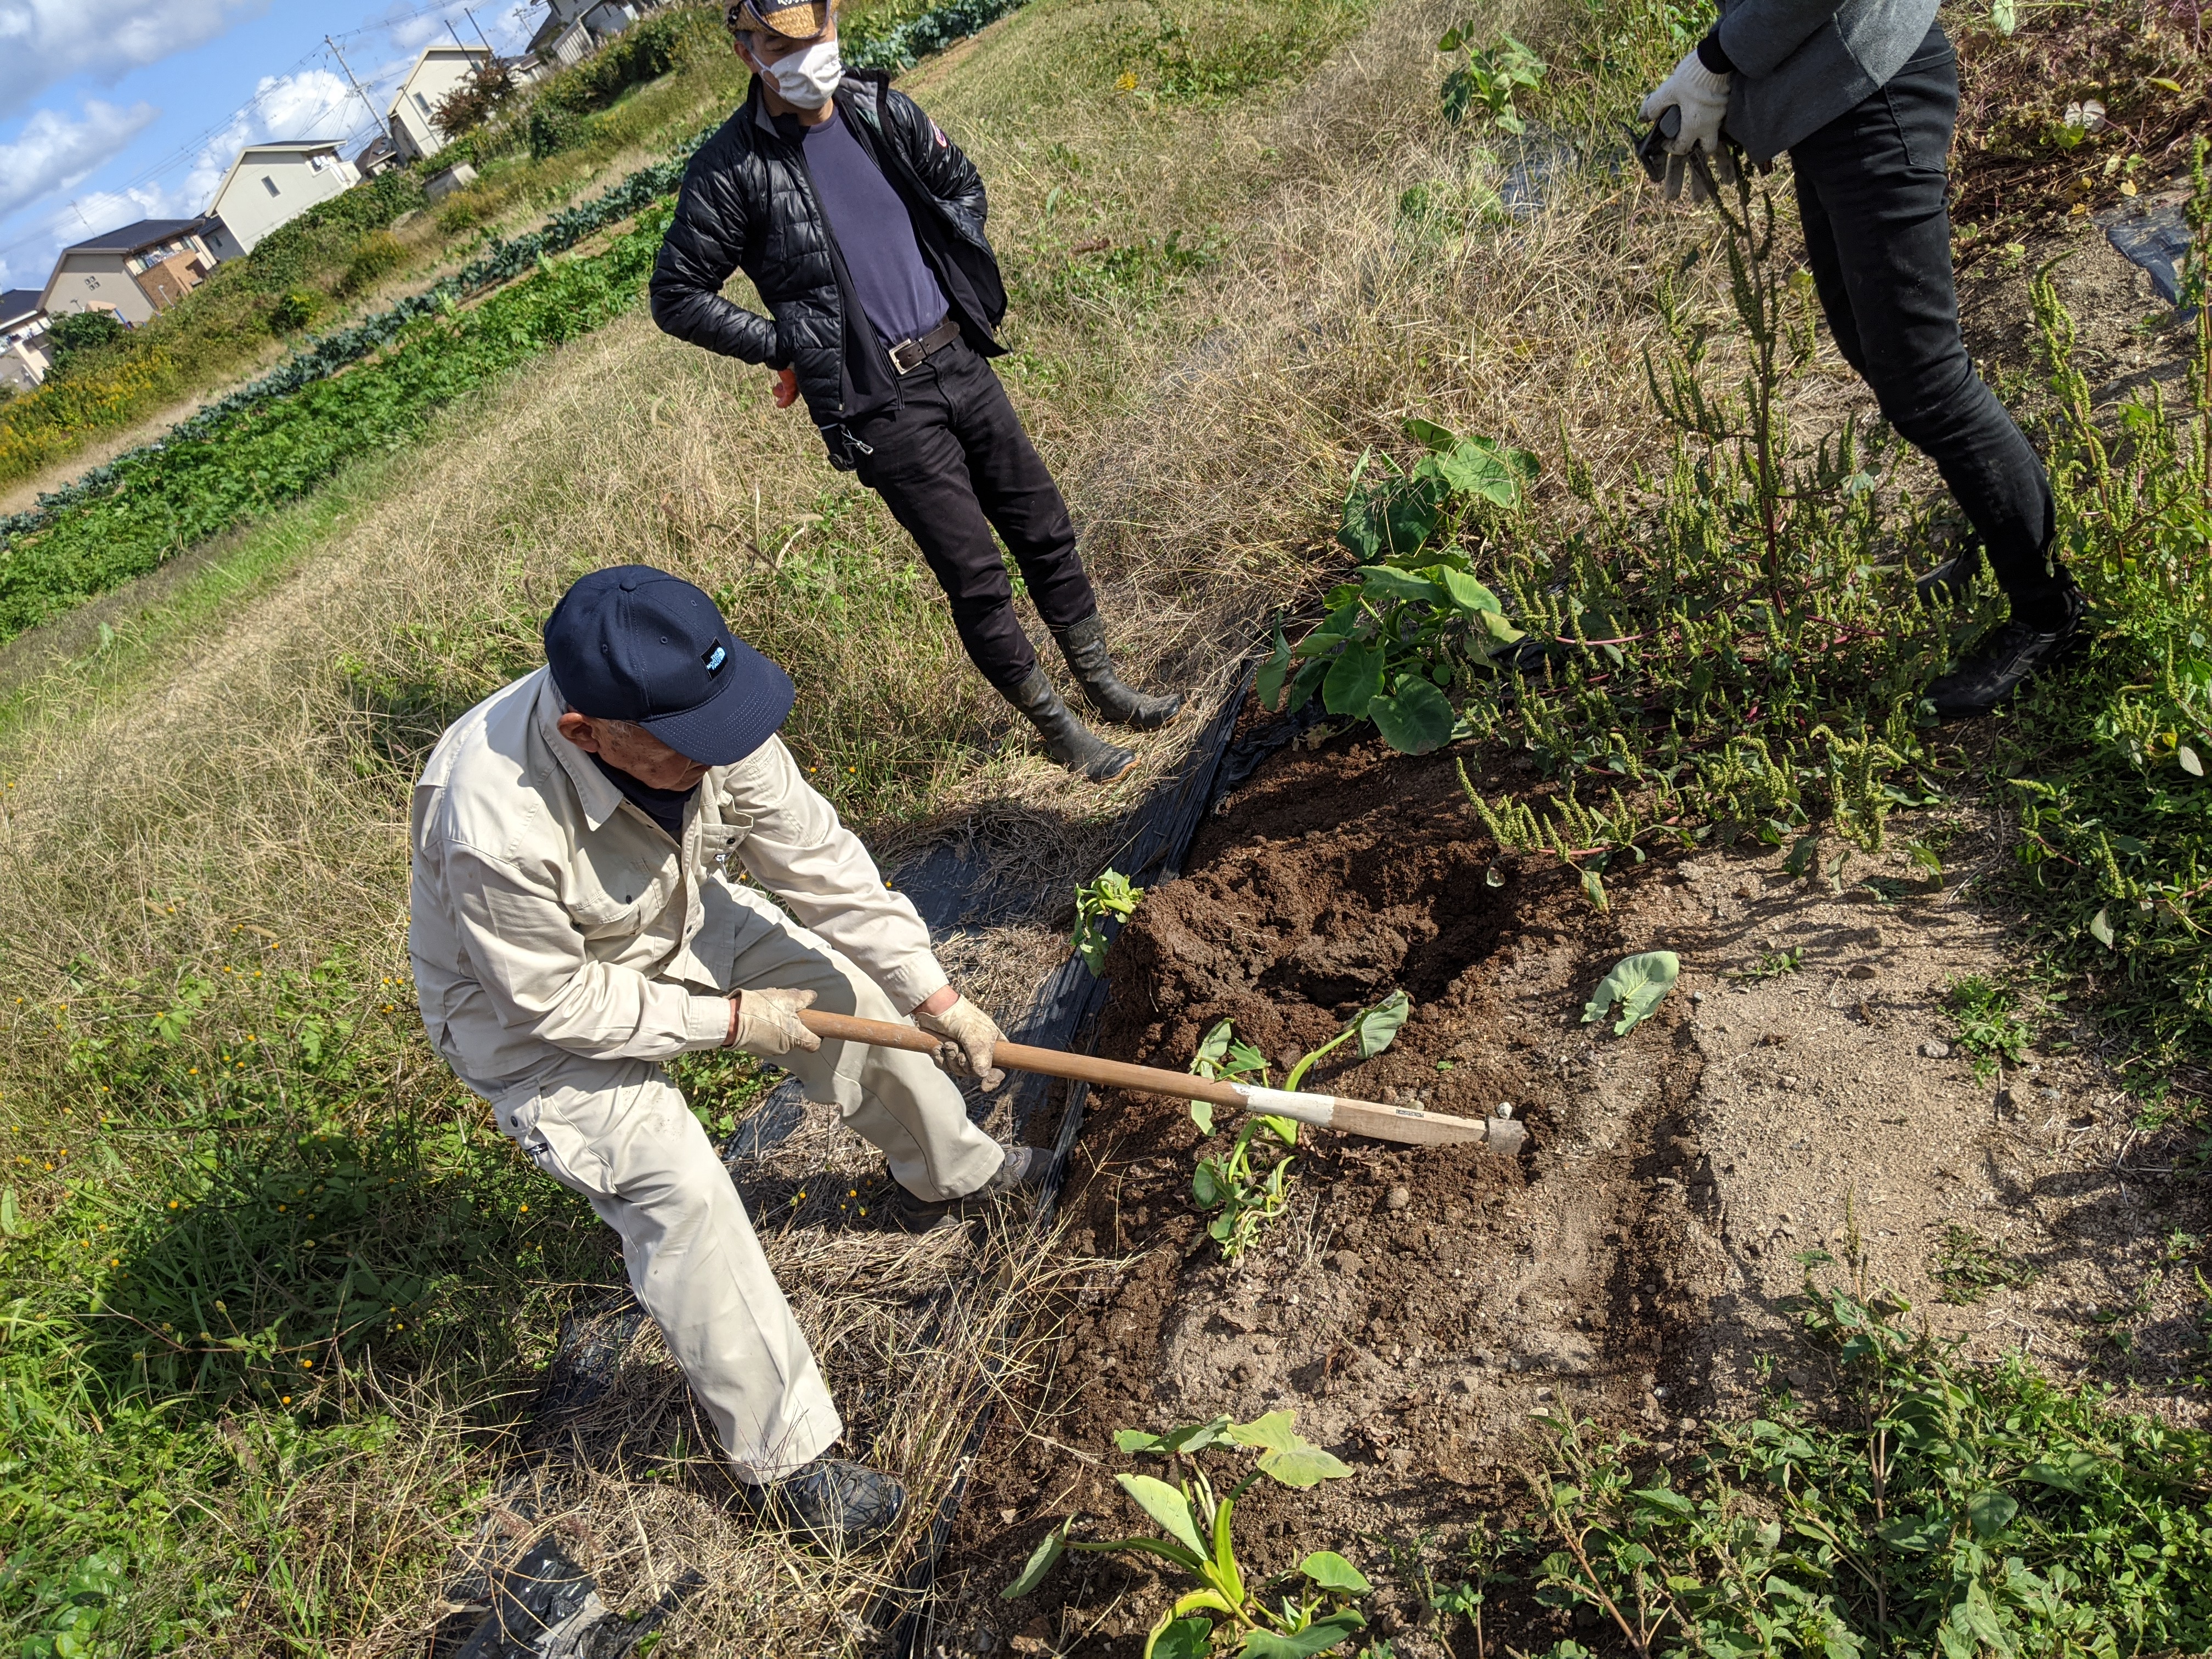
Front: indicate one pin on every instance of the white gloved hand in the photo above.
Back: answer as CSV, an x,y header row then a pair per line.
x,y
971,1039
766,1023
1702,96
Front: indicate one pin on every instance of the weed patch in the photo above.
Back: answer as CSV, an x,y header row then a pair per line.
x,y
1967,1266
1941,1507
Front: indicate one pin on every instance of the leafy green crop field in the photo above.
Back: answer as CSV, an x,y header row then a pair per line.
x,y
171,496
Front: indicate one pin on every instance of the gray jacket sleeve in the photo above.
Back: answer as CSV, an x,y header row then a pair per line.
x,y
1759,35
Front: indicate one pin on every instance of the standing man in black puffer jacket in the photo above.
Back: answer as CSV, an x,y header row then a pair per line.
x,y
1863,94
861,224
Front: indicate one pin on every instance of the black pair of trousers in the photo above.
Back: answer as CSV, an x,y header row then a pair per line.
x,y
952,462
1871,193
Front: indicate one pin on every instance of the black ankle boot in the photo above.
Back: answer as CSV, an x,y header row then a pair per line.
x,y
1085,648
1066,739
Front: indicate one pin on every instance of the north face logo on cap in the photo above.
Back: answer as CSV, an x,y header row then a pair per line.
x,y
715,659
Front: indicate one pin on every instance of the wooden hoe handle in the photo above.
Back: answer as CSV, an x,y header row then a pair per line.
x,y
1405,1124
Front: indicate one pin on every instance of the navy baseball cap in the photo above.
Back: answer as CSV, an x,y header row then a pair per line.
x,y
633,643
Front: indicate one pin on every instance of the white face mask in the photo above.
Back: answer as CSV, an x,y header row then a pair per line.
x,y
806,78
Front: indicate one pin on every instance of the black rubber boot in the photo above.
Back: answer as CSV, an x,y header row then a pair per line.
x,y
840,1505
1951,583
2007,655
1066,739
1023,1171
1085,648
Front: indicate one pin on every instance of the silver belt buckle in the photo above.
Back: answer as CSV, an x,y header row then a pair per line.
x,y
903,362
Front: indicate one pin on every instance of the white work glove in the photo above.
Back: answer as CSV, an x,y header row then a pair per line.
x,y
1699,96
971,1040
766,1023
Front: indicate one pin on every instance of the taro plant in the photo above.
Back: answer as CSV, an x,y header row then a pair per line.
x,y
1412,624
1248,1184
1109,898
1225,1609
1489,77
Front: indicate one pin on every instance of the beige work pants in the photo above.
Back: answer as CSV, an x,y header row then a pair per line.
x,y
618,1132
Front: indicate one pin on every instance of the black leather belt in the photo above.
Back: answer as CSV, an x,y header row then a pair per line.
x,y
907,355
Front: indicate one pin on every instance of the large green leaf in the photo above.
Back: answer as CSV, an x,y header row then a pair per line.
x,y
1165,1505
1463,590
1378,1027
1050,1549
1381,582
1287,1457
1991,1512
1191,1436
1354,680
1307,682
1416,720
1267,685
1319,1636
1409,510
1488,470
1436,440
1181,1638
1636,985
1332,1571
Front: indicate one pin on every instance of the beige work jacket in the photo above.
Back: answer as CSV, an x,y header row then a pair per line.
x,y
548,912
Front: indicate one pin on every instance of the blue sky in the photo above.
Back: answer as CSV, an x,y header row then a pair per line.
x,y
113,111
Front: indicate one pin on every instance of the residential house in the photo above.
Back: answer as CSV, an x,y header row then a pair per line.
x,y
379,155
413,117
134,272
270,185
24,359
573,29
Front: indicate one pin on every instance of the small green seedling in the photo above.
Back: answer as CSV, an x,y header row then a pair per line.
x,y
1489,78
1633,989
1993,1027
1222,1607
1248,1188
1110,896
1774,964
1967,1264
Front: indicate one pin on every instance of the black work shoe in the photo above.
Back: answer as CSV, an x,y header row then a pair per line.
x,y
1066,739
1085,648
840,1505
1023,1171
2007,656
1951,583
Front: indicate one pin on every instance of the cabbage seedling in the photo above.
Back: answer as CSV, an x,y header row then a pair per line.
x,y
1195,1535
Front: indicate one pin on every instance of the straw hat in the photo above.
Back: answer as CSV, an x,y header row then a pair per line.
x,y
808,20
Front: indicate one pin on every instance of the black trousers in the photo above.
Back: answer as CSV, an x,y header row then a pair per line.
x,y
1871,187
953,464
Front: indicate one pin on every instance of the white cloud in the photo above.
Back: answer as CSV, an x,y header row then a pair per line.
x,y
46,41
314,104
53,152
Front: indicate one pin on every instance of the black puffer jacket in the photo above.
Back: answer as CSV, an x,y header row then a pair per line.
x,y
748,204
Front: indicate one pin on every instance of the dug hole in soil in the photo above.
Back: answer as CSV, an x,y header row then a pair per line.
x,y
1416,1306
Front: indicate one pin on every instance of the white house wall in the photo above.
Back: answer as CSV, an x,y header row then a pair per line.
x,y
270,190
97,281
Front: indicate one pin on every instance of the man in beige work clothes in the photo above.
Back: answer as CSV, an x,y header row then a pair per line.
x,y
576,921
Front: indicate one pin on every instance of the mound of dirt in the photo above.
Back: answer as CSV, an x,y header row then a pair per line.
x,y
1799,1091
1415,1305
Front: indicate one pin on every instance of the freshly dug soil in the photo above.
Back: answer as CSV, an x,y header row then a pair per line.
x,y
1636,1264
1415,1305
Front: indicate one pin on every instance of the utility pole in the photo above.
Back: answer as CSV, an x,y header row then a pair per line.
x,y
456,33
374,114
478,27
